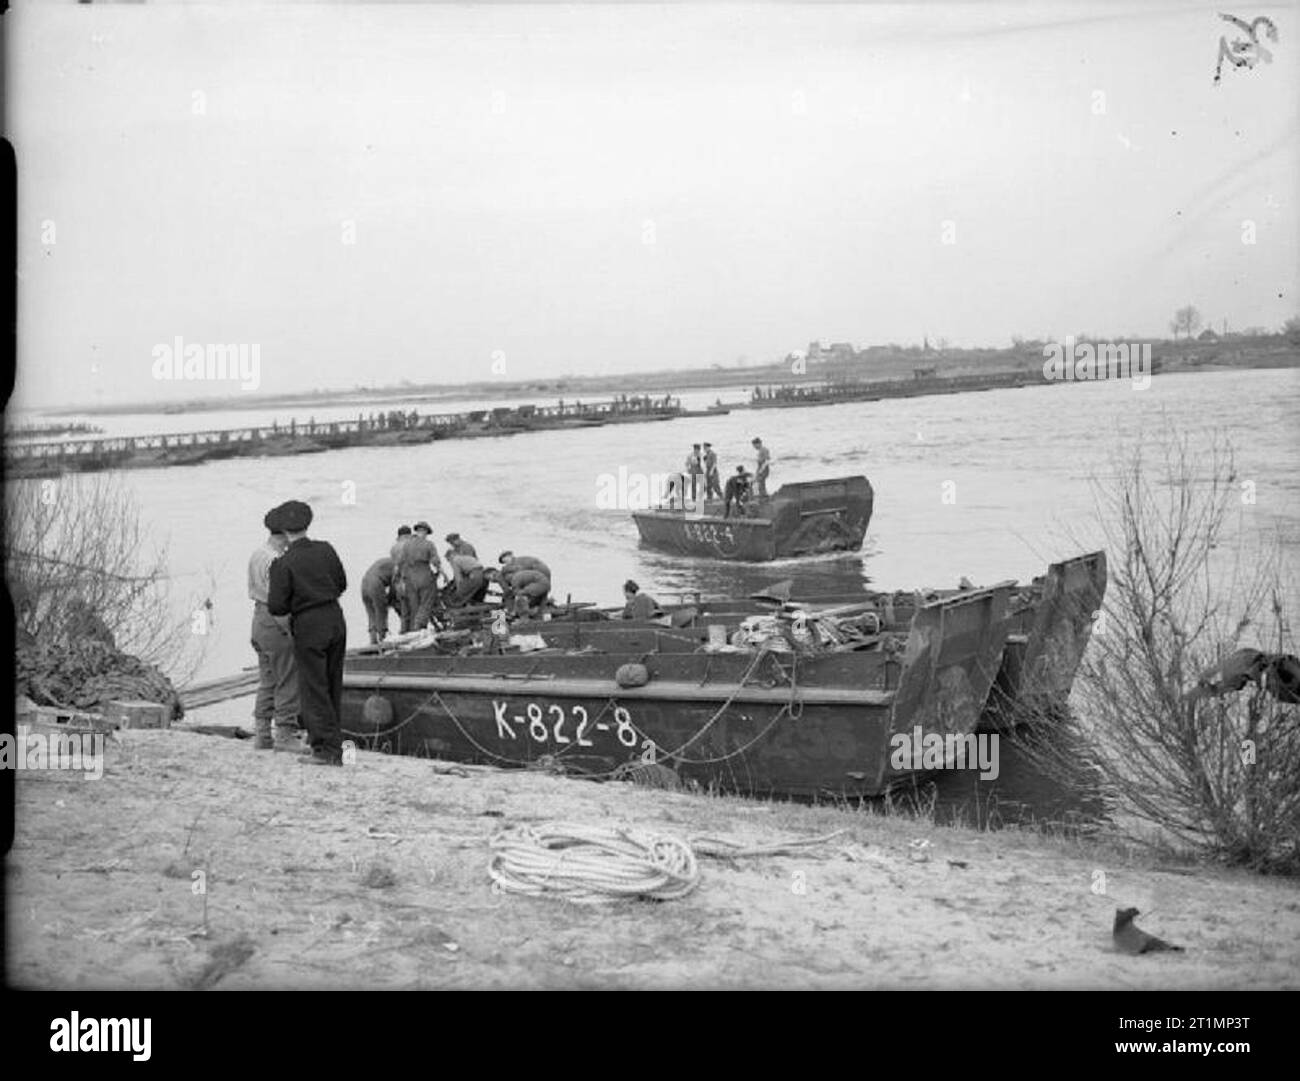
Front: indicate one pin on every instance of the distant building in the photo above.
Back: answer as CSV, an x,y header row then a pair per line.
x,y
838,351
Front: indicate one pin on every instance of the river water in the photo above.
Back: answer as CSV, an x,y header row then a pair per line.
x,y
991,486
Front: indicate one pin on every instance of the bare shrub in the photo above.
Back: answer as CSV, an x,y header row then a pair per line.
x,y
1216,773
77,544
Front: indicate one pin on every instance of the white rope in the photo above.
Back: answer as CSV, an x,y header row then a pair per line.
x,y
591,864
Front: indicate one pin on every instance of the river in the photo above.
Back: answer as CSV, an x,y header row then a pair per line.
x,y
990,486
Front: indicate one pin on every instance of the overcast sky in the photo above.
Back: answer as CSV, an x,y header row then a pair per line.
x,y
372,193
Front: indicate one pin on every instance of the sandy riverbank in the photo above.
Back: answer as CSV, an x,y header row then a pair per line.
x,y
299,894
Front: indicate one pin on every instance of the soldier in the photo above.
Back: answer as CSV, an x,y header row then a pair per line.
x,y
694,468
524,590
639,605
737,492
511,563
457,545
277,672
305,584
712,482
420,568
404,610
378,596
762,467
470,584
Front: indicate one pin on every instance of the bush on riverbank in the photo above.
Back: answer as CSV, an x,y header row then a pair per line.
x,y
1216,770
92,607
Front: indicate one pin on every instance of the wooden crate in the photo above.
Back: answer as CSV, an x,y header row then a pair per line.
x,y
135,714
51,719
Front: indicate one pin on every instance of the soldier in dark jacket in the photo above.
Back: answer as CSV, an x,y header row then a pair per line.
x,y
306,583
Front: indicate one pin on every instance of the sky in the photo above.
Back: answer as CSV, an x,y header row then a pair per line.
x,y
372,193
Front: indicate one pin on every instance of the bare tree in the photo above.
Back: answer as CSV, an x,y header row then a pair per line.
x,y
1187,320
76,545
1216,772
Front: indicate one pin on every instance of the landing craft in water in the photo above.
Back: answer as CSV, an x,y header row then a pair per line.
x,y
802,519
753,695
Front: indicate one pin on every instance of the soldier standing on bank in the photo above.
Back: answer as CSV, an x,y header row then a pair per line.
x,y
306,583
277,672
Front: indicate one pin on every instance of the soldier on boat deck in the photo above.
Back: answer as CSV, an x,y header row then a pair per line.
x,y
378,595
737,492
762,467
457,545
404,611
525,582
420,568
511,563
712,482
639,605
694,468
469,583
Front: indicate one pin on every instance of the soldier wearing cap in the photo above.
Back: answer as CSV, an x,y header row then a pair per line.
x,y
459,546
277,672
305,584
693,469
470,583
419,568
712,482
510,563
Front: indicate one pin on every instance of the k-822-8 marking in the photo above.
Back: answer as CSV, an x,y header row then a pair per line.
x,y
545,723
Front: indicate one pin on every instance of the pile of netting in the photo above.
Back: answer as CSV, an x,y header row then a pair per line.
x,y
86,674
794,630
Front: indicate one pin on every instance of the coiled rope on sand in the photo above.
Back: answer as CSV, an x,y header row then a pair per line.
x,y
598,864
591,864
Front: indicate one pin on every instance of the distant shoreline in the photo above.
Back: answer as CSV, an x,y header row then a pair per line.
x,y
1273,351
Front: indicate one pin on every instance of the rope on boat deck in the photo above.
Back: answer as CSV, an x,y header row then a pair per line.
x,y
591,864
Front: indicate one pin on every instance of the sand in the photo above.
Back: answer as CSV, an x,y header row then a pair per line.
x,y
197,862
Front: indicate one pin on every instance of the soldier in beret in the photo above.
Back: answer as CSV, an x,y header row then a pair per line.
x,y
306,583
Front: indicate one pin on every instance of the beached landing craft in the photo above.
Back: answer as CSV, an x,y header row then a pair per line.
x,y
719,694
802,519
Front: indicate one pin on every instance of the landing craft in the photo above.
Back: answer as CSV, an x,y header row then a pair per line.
x,y
755,695
803,519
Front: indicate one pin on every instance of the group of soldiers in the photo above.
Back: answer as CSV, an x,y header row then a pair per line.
x,y
413,581
702,462
299,633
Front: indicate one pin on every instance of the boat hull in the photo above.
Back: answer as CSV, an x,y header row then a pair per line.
x,y
802,519
754,723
